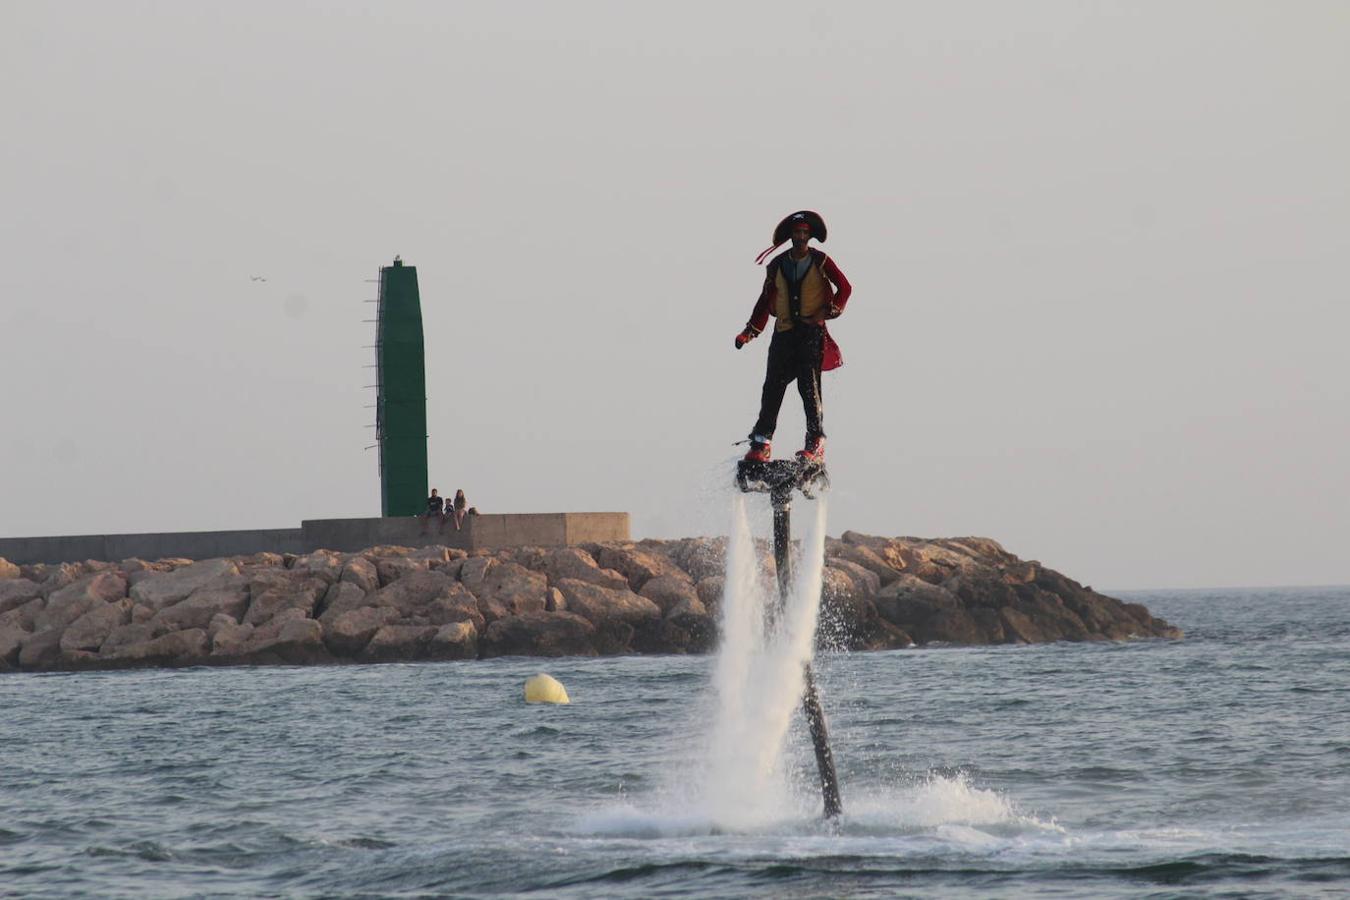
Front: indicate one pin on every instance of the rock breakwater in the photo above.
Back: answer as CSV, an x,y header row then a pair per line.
x,y
398,603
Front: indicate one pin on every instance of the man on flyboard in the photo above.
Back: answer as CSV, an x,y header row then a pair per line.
x,y
802,288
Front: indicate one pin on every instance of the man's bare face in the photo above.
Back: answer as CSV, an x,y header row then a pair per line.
x,y
800,235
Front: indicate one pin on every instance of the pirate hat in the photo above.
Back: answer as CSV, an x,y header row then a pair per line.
x,y
783,232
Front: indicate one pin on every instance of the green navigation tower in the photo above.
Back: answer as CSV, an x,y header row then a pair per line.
x,y
401,404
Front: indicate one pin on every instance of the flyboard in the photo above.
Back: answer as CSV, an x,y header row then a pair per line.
x,y
779,478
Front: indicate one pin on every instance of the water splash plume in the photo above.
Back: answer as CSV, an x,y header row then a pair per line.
x,y
758,677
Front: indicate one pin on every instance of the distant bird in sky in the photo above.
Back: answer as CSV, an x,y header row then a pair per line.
x,y
256,278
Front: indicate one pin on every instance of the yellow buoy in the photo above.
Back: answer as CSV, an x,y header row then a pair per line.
x,y
545,689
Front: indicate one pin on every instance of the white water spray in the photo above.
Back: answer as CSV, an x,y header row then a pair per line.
x,y
740,780
758,677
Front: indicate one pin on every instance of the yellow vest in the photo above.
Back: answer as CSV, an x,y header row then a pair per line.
x,y
816,294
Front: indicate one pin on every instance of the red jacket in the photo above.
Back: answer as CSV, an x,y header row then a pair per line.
x,y
832,358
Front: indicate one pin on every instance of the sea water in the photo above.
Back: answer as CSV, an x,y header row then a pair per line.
x,y
1217,765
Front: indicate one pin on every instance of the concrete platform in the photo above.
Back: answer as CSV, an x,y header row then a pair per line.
x,y
479,532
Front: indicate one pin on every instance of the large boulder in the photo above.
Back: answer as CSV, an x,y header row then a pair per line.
x,y
23,616
450,567
867,558
457,640
602,605
380,551
895,552
203,604
394,568
326,565
689,628
848,617
90,630
638,566
986,550
438,553
104,585
936,562
891,637
859,539
474,570
710,591
11,639
8,569
69,603
1149,624
1020,571
865,581
1052,618
838,590
669,591
981,586
288,638
136,576
126,635
134,564
341,598
990,623
162,589
457,604
701,557
229,640
509,589
394,643
290,590
41,650
16,592
909,600
1101,616
413,593
1018,628
53,578
347,633
539,634
573,562
533,558
360,571
175,648
218,624
950,626
263,559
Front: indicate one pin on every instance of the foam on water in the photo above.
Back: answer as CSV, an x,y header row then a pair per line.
x,y
940,800
934,811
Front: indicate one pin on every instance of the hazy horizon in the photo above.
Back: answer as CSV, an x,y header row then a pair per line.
x,y
1100,255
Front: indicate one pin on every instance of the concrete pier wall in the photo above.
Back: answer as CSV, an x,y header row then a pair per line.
x,y
479,532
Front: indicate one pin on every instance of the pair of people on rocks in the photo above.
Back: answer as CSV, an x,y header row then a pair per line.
x,y
441,509
803,288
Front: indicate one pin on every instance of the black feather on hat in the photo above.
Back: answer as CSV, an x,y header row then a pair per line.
x,y
783,232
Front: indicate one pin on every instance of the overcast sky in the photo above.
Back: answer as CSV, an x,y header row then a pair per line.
x,y
1100,251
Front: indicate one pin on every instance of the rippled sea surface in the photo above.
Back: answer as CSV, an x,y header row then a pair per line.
x,y
1218,765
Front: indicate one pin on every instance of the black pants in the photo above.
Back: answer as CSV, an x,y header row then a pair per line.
x,y
793,354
